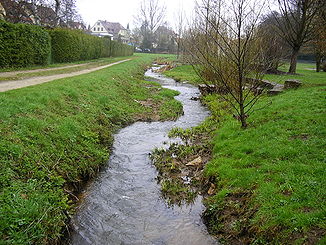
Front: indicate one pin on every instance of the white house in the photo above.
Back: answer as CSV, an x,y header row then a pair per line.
x,y
114,30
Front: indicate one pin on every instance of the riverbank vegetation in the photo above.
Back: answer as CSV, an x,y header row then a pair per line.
x,y
56,135
264,184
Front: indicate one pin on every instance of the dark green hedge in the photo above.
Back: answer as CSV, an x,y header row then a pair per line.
x,y
119,49
73,45
23,45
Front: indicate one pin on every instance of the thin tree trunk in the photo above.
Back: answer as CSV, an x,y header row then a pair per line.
x,y
243,117
318,62
178,49
57,9
294,57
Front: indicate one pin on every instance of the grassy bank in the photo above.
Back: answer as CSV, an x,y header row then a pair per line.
x,y
56,135
59,69
54,65
184,73
265,184
305,73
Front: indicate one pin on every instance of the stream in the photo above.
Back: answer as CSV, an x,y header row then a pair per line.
x,y
123,205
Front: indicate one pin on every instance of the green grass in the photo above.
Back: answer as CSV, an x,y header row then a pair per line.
x,y
56,135
305,74
280,161
270,177
56,65
90,65
183,73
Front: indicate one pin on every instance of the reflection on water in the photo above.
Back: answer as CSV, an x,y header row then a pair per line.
x,y
123,205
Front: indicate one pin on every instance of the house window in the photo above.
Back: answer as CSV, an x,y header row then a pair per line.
x,y
98,29
101,28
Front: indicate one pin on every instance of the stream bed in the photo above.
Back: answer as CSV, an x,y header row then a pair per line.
x,y
123,205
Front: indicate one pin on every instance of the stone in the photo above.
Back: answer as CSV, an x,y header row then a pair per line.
x,y
204,89
292,83
275,91
196,162
267,84
258,91
194,98
260,83
211,88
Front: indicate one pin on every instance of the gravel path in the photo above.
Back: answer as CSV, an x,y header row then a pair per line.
x,y
9,85
15,73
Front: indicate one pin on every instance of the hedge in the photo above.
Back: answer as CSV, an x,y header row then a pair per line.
x,y
23,45
119,49
74,45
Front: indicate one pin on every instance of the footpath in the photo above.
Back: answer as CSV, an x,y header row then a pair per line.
x,y
15,84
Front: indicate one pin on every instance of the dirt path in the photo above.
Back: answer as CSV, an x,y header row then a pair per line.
x,y
15,73
9,85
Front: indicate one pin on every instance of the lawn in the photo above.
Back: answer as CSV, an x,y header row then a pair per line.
x,y
55,136
269,179
305,73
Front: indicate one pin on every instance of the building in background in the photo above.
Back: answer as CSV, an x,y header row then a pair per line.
x,y
114,30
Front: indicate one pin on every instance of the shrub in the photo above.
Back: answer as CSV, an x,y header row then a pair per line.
x,y
119,49
106,49
74,45
23,45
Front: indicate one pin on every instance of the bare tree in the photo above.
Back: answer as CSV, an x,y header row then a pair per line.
x,y
275,50
150,16
57,4
319,37
225,49
66,12
179,28
295,24
49,13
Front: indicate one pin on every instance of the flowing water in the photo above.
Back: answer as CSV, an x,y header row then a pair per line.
x,y
123,205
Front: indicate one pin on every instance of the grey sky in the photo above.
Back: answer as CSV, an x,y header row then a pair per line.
x,y
123,10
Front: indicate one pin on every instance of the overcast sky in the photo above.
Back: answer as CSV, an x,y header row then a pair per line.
x,y
123,10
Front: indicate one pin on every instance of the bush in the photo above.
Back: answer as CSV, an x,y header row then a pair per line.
x,y
119,49
23,45
106,49
74,45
